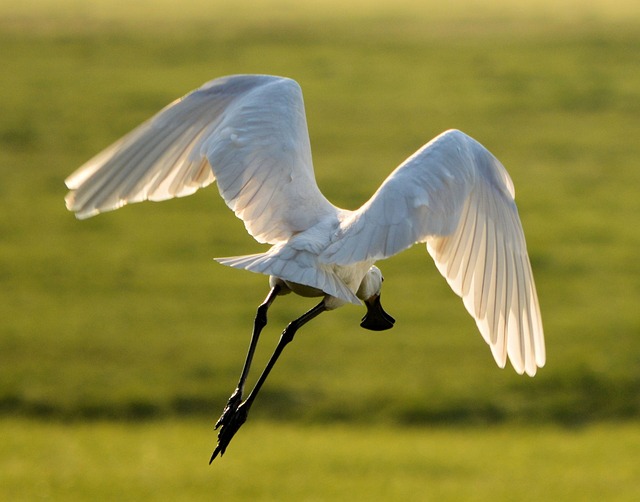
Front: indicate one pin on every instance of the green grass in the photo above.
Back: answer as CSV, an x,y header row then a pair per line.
x,y
167,460
126,317
126,314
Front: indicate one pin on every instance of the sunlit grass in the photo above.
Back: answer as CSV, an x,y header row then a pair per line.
x,y
126,315
250,11
119,333
167,460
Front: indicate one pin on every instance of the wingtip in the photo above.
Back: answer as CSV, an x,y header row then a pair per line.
x,y
79,213
529,367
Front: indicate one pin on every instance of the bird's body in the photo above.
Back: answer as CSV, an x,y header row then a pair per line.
x,y
249,134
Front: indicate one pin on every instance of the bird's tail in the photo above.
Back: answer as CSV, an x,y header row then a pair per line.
x,y
294,266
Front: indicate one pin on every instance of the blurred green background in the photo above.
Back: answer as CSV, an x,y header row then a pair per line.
x,y
121,339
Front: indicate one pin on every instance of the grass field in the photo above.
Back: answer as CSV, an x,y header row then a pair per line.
x,y
166,460
119,334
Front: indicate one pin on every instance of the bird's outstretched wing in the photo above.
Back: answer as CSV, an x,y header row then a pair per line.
x,y
455,195
247,132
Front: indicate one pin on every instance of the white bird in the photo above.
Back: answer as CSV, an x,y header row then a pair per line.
x,y
249,133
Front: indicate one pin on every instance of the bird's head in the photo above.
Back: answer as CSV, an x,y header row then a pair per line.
x,y
376,319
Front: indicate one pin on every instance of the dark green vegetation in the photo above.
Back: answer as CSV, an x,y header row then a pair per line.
x,y
126,316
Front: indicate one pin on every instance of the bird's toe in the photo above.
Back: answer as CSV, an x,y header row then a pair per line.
x,y
228,429
230,408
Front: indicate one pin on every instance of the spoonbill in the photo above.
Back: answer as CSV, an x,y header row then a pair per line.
x,y
249,133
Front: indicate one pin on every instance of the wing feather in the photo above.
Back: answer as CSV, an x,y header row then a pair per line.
x,y
455,195
247,132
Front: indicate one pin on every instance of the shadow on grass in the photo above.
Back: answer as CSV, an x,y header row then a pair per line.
x,y
573,398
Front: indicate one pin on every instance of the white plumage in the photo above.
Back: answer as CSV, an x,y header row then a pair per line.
x,y
249,134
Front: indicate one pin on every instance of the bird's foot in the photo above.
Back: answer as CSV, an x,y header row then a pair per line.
x,y
229,424
230,409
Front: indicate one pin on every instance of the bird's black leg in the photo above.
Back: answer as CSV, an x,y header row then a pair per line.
x,y
238,417
259,323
